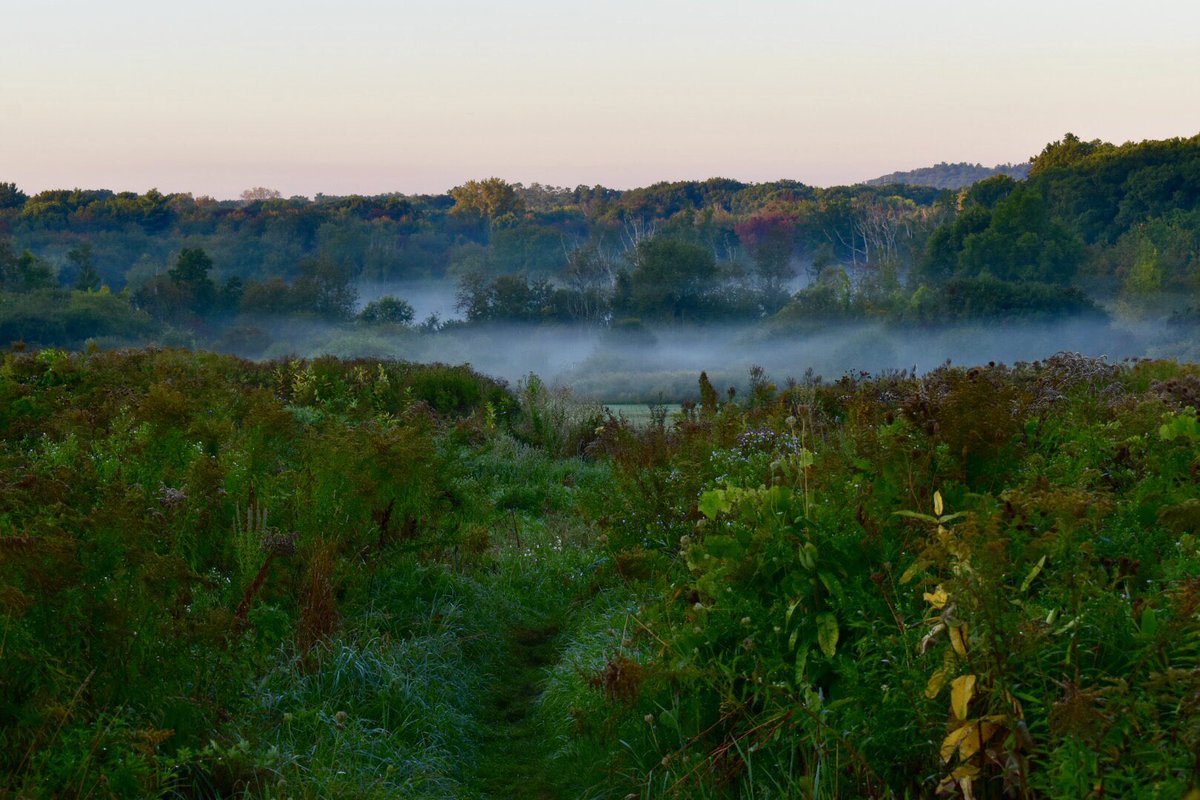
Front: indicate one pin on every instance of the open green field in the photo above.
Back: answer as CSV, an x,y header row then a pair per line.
x,y
641,415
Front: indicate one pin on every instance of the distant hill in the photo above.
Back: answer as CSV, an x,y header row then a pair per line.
x,y
951,176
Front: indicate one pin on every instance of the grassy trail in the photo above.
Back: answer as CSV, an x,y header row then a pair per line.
x,y
513,753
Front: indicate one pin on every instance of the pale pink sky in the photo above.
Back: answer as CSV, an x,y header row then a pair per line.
x,y
369,97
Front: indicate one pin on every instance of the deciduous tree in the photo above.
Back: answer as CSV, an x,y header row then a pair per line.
x,y
87,279
491,199
672,280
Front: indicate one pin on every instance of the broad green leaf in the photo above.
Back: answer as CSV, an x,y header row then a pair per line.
x,y
1149,622
827,633
722,546
714,503
1033,573
792,606
777,497
808,556
801,664
915,515
1184,425
832,585
962,689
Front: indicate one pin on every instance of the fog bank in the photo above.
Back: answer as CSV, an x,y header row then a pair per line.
x,y
663,364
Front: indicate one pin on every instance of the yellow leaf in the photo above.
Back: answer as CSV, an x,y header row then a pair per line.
x,y
962,689
1018,712
913,570
937,503
936,682
958,782
1194,794
958,639
967,739
953,740
938,598
972,744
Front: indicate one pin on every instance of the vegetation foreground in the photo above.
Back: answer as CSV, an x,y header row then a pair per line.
x,y
376,579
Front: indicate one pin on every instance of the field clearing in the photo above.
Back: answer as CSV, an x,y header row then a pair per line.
x,y
640,415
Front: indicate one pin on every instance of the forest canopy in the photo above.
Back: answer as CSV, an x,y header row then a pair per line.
x,y
1113,223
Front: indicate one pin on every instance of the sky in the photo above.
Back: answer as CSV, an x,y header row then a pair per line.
x,y
366,96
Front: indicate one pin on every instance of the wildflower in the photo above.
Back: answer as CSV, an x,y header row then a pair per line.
x,y
171,497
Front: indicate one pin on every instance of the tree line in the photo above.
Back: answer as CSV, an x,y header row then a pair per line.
x,y
1092,220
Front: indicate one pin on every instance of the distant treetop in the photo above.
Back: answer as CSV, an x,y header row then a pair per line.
x,y
11,196
951,176
260,193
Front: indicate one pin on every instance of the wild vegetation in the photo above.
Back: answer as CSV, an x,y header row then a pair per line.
x,y
367,577
377,579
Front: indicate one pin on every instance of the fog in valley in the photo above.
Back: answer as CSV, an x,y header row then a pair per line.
x,y
646,364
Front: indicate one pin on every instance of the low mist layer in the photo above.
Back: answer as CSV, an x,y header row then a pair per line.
x,y
663,364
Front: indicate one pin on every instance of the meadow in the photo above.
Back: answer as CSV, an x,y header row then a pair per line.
x,y
372,578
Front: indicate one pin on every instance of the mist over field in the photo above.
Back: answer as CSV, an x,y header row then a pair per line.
x,y
649,364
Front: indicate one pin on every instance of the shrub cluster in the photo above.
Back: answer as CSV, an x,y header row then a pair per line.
x,y
974,582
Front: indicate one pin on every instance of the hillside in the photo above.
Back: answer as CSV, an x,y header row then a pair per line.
x,y
950,176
